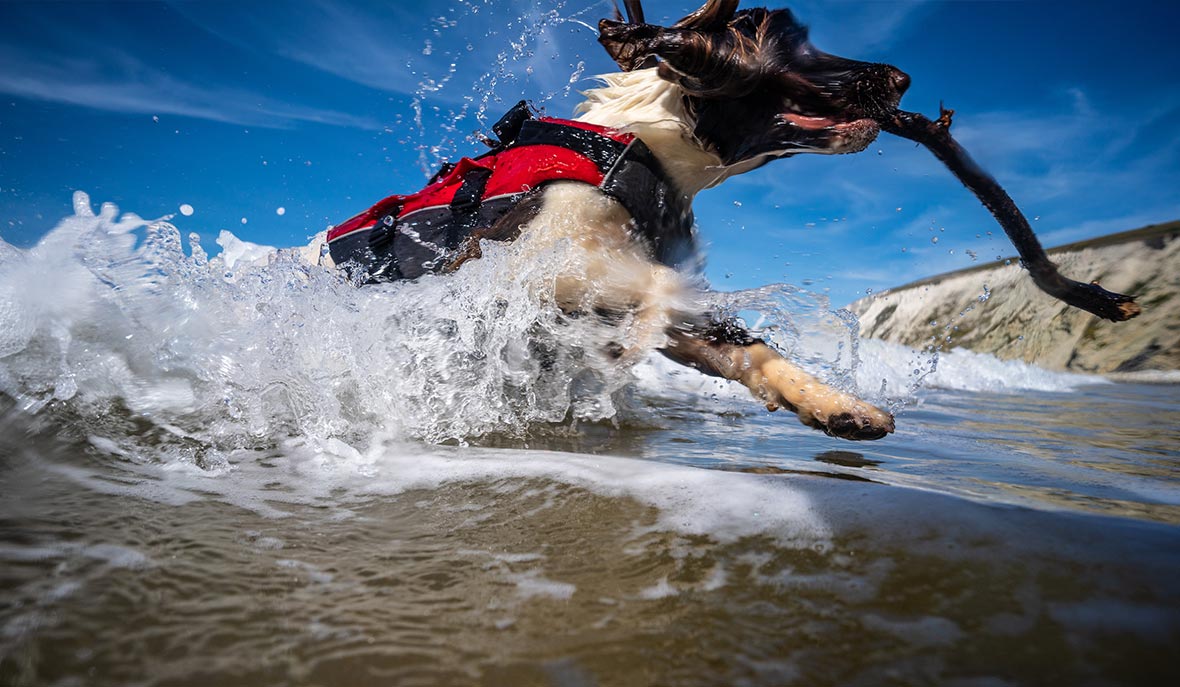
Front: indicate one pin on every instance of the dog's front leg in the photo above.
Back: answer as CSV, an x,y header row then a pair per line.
x,y
729,352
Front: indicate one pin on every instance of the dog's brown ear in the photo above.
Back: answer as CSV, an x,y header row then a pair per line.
x,y
714,15
624,40
701,53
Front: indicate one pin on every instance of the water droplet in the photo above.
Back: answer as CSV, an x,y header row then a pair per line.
x,y
280,211
933,239
243,220
737,203
186,210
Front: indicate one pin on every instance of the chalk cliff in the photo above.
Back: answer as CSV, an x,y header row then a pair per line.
x,y
996,308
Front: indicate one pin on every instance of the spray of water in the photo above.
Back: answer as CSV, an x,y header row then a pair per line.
x,y
110,317
460,93
111,324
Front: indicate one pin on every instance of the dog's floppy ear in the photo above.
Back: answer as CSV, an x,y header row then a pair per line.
x,y
714,15
622,39
702,53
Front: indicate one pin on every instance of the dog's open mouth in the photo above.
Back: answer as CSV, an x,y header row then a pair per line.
x,y
829,133
815,122
795,131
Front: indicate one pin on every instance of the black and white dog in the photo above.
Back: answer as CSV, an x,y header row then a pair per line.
x,y
719,93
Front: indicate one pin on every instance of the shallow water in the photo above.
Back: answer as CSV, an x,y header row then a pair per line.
x,y
992,541
223,473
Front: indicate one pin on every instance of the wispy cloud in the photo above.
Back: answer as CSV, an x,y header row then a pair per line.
x,y
117,82
373,46
442,53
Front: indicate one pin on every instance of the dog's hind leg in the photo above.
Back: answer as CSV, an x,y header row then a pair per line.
x,y
728,351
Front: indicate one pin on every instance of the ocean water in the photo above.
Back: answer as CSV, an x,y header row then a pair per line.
x,y
243,470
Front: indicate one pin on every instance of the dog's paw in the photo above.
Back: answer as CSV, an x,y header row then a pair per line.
x,y
854,420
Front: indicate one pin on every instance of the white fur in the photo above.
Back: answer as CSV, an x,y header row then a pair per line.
x,y
642,103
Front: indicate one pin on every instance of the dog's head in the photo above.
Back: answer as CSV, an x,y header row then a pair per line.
x,y
754,84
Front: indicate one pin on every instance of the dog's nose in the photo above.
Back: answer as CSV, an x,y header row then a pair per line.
x,y
901,81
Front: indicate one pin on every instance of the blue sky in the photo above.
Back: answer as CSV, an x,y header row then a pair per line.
x,y
321,107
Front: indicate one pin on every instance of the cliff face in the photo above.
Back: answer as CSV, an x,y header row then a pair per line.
x,y
998,310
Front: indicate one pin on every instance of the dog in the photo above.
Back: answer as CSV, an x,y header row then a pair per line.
x,y
720,92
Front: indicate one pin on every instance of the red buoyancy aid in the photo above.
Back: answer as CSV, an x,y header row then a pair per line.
x,y
406,236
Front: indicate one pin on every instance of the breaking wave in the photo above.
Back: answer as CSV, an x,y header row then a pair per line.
x,y
111,322
112,313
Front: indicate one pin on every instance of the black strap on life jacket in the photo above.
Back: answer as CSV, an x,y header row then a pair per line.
x,y
507,128
634,177
469,196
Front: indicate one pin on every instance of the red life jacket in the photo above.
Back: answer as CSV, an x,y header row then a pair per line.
x,y
406,236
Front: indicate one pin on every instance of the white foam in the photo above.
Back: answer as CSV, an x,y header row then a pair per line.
x,y
724,505
660,590
113,555
313,573
530,584
893,365
235,252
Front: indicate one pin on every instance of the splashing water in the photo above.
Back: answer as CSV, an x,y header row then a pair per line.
x,y
257,343
109,321
529,66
